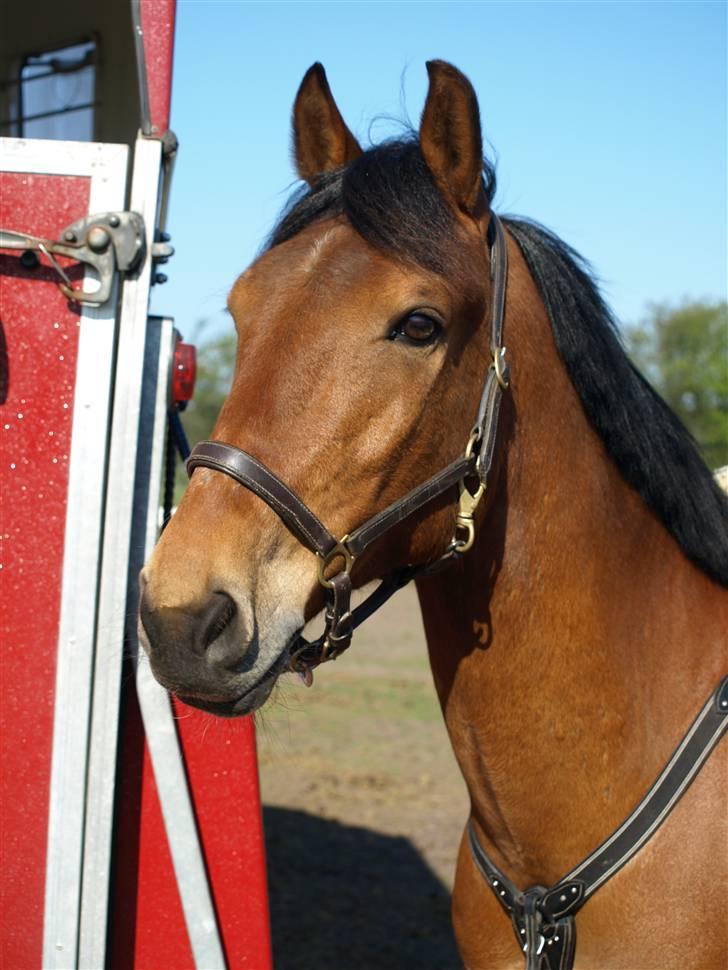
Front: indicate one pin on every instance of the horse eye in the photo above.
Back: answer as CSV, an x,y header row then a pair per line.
x,y
419,328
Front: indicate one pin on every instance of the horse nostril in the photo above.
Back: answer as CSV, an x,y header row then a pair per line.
x,y
217,616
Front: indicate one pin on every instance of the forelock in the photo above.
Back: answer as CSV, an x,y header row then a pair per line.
x,y
390,198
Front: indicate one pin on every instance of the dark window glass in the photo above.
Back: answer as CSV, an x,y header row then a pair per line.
x,y
55,96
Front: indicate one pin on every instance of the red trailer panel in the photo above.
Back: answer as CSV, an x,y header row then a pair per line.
x,y
40,337
223,780
157,23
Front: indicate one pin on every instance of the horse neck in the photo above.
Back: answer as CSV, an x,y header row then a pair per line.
x,y
565,656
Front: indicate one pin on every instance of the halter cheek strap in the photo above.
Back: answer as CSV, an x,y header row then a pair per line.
x,y
337,556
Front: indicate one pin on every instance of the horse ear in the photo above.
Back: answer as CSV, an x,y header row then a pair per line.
x,y
321,140
450,138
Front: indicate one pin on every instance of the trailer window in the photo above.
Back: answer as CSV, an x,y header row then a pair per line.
x,y
55,94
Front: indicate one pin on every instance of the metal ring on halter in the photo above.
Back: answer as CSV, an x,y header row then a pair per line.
x,y
340,550
502,370
475,435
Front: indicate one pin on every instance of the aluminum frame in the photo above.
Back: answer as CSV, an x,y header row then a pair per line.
x,y
141,65
110,645
154,702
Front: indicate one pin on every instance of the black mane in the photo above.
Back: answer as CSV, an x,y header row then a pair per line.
x,y
392,201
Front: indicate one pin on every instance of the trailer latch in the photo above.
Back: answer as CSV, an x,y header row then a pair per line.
x,y
107,242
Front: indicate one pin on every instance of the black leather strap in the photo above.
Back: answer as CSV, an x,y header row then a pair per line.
x,y
253,474
547,944
379,596
499,279
486,422
687,760
338,615
309,529
559,904
383,521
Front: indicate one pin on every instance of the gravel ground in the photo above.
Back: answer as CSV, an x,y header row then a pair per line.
x,y
363,808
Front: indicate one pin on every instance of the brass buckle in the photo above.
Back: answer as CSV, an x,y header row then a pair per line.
x,y
466,517
340,550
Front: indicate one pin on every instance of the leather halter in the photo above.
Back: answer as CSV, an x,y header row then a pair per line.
x,y
543,918
337,556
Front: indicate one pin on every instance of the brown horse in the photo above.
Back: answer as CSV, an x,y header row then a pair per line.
x,y
574,643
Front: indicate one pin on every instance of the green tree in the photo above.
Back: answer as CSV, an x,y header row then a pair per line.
x,y
215,363
683,352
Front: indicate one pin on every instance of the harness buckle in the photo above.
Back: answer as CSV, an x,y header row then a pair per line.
x,y
340,551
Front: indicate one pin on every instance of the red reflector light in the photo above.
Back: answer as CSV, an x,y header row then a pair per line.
x,y
184,371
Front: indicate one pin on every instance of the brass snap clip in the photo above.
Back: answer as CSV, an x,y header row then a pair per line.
x,y
340,551
465,522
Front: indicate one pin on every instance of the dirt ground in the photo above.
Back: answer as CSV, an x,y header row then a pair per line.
x,y
363,807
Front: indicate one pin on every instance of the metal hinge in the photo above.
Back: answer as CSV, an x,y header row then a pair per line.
x,y
107,242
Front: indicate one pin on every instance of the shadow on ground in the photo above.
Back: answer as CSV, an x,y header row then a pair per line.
x,y
347,898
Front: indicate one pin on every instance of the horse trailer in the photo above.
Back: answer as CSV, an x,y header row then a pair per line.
x,y
131,835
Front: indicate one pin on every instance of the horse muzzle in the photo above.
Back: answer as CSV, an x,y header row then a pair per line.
x,y
208,655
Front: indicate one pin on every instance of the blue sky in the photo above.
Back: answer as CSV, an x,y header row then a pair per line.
x,y
607,120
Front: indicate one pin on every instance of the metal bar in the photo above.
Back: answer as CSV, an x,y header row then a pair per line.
x,y
141,63
179,822
114,573
154,702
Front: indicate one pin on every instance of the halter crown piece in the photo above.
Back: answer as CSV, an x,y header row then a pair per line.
x,y
337,556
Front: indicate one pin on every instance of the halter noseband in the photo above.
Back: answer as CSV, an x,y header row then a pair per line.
x,y
470,472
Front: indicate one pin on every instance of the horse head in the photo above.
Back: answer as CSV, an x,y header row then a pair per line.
x,y
362,347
